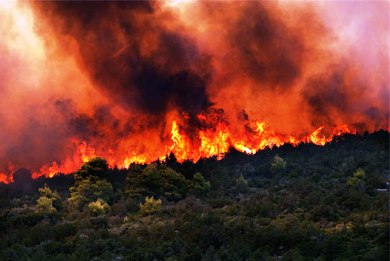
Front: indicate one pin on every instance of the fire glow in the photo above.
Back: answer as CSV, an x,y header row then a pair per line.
x,y
132,82
210,143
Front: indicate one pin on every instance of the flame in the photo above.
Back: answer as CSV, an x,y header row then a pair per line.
x,y
180,144
68,97
83,153
214,144
210,143
139,159
4,178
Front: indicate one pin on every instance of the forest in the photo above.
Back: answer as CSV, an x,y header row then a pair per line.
x,y
306,202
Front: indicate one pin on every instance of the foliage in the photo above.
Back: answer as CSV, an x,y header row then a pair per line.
x,y
95,167
322,203
99,207
45,206
90,184
199,185
88,190
278,164
45,191
49,201
157,180
357,178
150,206
242,184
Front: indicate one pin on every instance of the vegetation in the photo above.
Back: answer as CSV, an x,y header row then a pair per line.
x,y
150,206
303,203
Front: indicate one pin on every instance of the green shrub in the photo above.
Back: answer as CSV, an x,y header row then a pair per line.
x,y
278,164
45,206
150,206
98,207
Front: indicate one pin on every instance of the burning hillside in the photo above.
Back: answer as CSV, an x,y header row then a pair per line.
x,y
136,81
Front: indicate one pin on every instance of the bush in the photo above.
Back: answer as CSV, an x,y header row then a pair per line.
x,y
99,207
278,164
199,185
45,206
88,190
157,180
242,184
357,178
95,167
53,196
150,206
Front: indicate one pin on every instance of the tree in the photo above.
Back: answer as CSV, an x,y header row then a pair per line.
x,y
45,191
199,185
49,201
95,167
45,206
158,180
150,206
88,190
242,184
134,185
99,207
90,184
278,164
357,178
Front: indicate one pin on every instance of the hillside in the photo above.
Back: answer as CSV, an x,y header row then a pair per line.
x,y
289,203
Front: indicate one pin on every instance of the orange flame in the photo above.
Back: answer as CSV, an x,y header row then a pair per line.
x,y
47,60
209,143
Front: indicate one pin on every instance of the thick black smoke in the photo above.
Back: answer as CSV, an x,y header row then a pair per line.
x,y
131,55
267,51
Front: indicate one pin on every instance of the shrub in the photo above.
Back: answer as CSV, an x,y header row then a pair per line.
x,y
199,185
242,184
157,180
99,207
45,206
88,190
55,198
150,206
278,164
357,178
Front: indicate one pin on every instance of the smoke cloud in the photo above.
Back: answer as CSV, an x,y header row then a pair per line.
x,y
134,81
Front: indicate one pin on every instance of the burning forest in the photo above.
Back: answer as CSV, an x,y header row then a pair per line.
x,y
133,82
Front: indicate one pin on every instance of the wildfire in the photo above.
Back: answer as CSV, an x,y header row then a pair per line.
x,y
4,178
210,143
133,82
139,159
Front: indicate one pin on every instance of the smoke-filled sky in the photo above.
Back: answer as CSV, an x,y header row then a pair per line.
x,y
112,78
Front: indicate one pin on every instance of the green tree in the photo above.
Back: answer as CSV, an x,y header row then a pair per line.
x,y
199,185
99,207
357,178
134,183
158,180
95,167
88,190
242,184
49,202
278,164
90,184
45,191
45,206
150,206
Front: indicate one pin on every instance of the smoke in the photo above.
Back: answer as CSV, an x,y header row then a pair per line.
x,y
132,57
80,79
